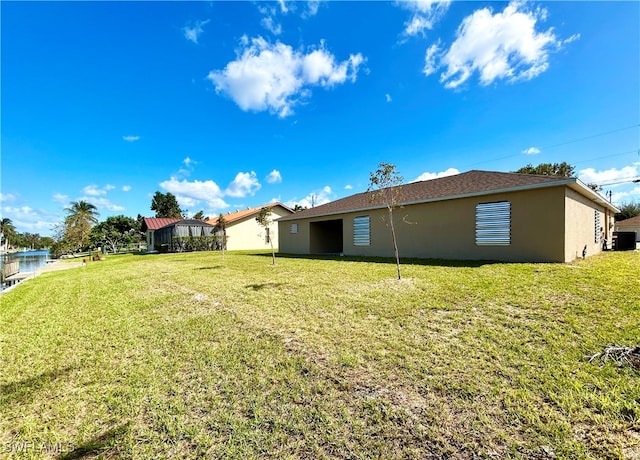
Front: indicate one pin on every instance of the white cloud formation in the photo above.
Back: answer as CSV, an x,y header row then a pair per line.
x,y
348,187
103,203
531,151
126,188
244,184
7,197
131,138
60,198
193,31
430,175
93,190
274,177
313,199
504,45
424,14
27,219
312,9
387,97
275,77
609,176
622,197
271,25
190,193
431,57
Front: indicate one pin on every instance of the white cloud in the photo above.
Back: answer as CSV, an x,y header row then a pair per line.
x,y
271,25
348,187
631,195
425,13
313,199
274,177
103,203
275,77
531,151
131,138
312,9
387,97
431,59
193,31
627,173
244,184
504,45
430,175
27,219
190,193
60,198
7,197
126,188
93,190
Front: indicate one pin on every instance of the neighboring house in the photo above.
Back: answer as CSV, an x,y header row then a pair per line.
x,y
186,235
149,227
629,225
477,215
243,232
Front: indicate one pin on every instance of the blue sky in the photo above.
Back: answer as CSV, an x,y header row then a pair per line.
x,y
236,104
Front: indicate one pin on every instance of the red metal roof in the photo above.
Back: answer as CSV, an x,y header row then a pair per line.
x,y
154,223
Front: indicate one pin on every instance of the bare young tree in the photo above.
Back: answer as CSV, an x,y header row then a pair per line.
x,y
222,225
385,183
264,220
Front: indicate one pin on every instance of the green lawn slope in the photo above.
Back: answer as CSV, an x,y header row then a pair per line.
x,y
195,356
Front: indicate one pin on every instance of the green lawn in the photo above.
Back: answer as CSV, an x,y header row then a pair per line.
x,y
193,356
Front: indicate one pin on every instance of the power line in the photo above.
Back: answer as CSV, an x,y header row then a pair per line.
x,y
589,137
609,156
564,143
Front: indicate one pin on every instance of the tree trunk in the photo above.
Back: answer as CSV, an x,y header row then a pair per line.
x,y
395,244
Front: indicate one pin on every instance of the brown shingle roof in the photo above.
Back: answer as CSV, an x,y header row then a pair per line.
x,y
631,222
239,215
465,184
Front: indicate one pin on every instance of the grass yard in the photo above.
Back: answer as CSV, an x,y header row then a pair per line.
x,y
193,356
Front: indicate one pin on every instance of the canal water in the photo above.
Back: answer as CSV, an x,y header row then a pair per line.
x,y
29,260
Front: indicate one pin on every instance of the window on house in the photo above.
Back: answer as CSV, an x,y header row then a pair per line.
x,y
597,227
293,228
493,224
267,235
361,231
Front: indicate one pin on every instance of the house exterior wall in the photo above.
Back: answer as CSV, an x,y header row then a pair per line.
x,y
247,234
581,226
150,240
447,229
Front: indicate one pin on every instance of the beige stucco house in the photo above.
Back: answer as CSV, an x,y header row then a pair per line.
x,y
244,232
477,215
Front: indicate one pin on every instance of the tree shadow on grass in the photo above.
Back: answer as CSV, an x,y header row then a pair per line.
x,y
213,267
22,391
98,445
386,260
261,286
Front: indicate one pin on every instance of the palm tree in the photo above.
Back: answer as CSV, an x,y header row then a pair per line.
x,y
7,230
81,216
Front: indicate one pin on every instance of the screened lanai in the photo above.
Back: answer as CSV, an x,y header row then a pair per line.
x,y
187,235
